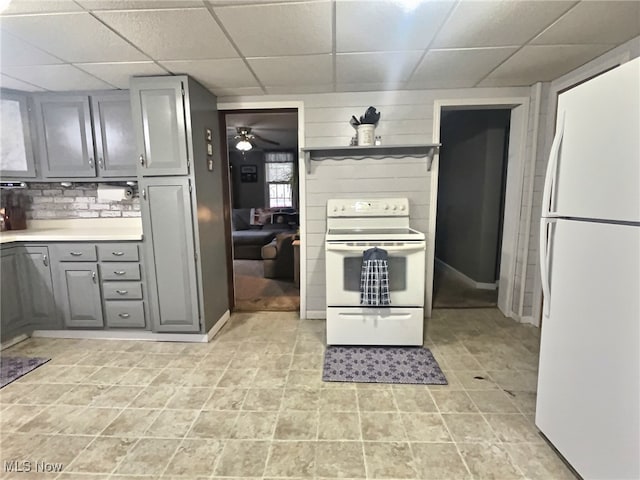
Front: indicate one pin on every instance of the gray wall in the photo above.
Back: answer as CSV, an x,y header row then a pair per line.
x,y
209,212
53,201
470,191
247,195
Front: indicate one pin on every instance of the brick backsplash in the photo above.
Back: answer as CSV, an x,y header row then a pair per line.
x,y
53,201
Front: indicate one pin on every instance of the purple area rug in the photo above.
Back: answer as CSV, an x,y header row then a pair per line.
x,y
381,365
12,368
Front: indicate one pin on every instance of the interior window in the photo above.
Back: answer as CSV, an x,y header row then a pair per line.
x,y
279,172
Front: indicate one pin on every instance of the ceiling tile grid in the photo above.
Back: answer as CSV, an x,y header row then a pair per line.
x,y
249,47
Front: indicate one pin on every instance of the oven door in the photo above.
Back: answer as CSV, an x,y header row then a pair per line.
x,y
406,272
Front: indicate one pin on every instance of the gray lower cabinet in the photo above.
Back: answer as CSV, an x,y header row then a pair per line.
x,y
158,110
27,301
38,304
170,254
79,294
12,321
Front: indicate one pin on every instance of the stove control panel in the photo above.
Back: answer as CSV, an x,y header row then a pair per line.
x,y
377,207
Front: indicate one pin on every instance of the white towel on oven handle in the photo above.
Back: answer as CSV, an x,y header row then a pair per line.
x,y
374,278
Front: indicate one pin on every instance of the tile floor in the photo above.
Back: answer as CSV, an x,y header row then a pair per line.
x,y
251,404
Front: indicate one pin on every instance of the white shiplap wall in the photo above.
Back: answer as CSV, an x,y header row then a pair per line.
x,y
407,118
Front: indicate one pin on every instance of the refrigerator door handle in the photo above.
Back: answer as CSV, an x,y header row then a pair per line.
x,y
545,241
550,177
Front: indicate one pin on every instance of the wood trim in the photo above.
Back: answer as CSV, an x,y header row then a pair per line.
x,y
226,207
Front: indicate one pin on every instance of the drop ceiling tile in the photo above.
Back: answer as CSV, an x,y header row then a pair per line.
x,y
137,4
279,29
542,63
297,90
387,26
293,71
172,34
497,23
40,6
57,77
369,87
236,92
457,68
8,82
74,37
118,74
610,22
222,73
378,67
14,51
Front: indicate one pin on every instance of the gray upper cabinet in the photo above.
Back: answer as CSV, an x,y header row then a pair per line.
x,y
158,110
65,143
114,137
170,254
38,304
80,300
16,151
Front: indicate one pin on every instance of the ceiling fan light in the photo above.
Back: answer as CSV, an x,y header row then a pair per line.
x,y
244,146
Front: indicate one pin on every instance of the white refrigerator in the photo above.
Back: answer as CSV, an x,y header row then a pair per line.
x,y
588,403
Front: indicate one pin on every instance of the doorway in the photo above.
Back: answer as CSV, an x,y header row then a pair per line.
x,y
262,160
472,182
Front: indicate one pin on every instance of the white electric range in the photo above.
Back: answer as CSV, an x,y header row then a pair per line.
x,y
356,225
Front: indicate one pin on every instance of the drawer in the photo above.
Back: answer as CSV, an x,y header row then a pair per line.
x,y
76,252
123,313
122,290
118,252
120,271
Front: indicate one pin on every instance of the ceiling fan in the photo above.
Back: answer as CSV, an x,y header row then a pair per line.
x,y
245,139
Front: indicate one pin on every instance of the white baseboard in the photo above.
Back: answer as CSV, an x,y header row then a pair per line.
x,y
467,280
530,320
218,325
123,335
316,314
14,341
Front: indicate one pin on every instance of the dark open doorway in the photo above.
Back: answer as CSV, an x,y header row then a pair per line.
x,y
261,158
470,213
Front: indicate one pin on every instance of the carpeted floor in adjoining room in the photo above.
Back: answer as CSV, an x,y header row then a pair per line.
x,y
255,293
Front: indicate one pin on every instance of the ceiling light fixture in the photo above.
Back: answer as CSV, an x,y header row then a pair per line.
x,y
244,145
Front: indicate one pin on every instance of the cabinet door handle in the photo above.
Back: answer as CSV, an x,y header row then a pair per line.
x,y
75,254
119,272
124,315
45,260
117,254
91,162
122,292
93,277
144,193
100,163
142,160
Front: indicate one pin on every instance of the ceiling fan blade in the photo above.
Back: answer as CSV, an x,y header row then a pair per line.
x,y
266,140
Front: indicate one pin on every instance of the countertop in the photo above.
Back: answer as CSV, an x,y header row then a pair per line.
x,y
76,230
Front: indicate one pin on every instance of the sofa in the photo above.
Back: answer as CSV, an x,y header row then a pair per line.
x,y
278,256
253,228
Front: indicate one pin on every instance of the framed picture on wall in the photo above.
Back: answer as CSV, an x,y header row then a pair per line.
x,y
249,173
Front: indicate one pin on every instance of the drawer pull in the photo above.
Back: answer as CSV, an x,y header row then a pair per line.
x,y
124,315
120,272
117,254
75,254
122,292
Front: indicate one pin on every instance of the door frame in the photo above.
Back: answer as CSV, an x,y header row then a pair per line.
x,y
519,123
223,108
